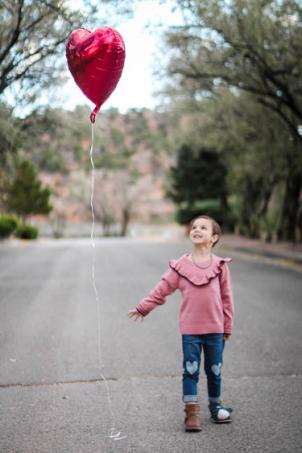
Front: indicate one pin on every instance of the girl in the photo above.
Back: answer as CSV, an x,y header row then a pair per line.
x,y
206,316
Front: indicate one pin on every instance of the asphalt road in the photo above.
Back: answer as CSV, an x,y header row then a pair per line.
x,y
54,396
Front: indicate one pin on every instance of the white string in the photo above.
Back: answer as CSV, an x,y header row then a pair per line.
x,y
114,434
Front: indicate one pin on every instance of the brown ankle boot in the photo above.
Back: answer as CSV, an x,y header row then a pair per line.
x,y
192,420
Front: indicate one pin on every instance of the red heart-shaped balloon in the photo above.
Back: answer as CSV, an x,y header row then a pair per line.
x,y
96,60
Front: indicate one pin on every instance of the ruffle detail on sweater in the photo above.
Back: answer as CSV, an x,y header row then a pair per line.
x,y
197,276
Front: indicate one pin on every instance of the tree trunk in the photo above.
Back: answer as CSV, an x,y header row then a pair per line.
x,y
125,221
226,221
290,222
249,217
266,197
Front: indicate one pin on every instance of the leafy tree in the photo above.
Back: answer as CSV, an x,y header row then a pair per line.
x,y
254,145
26,195
252,47
9,137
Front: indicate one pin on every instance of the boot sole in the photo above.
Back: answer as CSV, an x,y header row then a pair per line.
x,y
228,420
193,429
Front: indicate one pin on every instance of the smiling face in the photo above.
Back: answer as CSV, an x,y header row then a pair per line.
x,y
201,233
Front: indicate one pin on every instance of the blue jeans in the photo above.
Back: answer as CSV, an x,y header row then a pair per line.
x,y
212,345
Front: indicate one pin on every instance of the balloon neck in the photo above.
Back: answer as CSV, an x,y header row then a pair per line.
x,y
93,113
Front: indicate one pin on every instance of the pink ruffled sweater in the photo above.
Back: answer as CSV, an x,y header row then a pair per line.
x,y
207,295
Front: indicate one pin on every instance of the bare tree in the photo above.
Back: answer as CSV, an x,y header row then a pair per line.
x,y
32,43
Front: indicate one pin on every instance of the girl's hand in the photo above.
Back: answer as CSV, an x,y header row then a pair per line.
x,y
135,314
227,336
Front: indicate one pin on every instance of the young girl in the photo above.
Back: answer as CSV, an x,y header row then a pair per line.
x,y
206,316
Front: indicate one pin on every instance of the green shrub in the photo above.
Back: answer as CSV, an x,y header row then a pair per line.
x,y
25,231
8,224
185,213
234,214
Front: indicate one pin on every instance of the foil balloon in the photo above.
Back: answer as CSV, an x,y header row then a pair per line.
x,y
96,60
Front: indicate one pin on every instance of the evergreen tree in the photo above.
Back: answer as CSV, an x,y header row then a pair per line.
x,y
197,178
25,194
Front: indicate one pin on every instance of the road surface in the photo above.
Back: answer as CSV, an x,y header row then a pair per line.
x,y
53,395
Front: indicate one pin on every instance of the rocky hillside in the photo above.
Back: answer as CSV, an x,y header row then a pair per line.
x,y
132,154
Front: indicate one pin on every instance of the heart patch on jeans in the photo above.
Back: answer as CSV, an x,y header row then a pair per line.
x,y
191,366
216,369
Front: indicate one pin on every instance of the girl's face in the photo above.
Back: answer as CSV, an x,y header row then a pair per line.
x,y
201,233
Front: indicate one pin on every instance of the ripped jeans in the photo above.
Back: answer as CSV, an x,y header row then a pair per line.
x,y
212,345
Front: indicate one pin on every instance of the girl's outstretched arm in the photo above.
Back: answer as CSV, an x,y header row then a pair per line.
x,y
227,299
166,286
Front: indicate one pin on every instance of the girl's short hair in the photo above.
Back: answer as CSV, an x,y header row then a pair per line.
x,y
215,226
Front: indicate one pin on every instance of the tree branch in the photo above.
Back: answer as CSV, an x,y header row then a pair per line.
x,y
15,34
292,126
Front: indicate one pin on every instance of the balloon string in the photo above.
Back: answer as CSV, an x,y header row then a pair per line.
x,y
114,434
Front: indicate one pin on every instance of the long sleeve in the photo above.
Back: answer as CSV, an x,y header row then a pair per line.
x,y
166,286
227,298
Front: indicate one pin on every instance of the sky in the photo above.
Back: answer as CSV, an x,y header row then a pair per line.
x,y
137,84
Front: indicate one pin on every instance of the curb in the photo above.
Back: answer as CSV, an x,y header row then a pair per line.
x,y
267,254
281,260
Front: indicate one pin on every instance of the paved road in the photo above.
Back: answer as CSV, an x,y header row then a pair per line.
x,y
52,397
